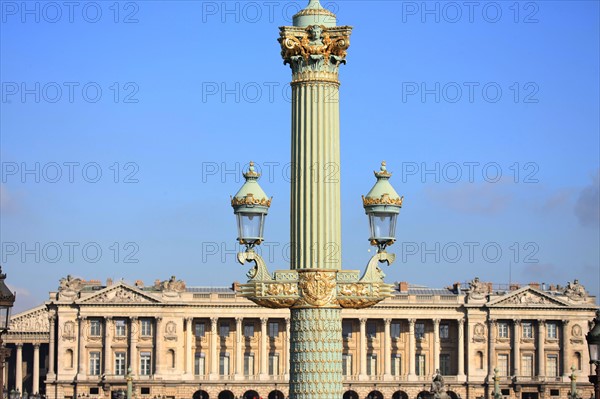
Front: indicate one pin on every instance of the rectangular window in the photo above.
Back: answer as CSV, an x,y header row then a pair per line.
x,y
371,329
347,364
199,364
120,363
552,366
273,329
248,330
444,331
199,330
224,363
95,328
396,364
420,330
249,364
274,364
347,329
94,363
224,330
395,330
502,330
145,363
503,364
420,365
527,330
552,331
371,364
445,364
120,328
146,327
527,365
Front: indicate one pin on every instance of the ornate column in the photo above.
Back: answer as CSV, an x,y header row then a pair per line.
x,y
158,341
363,348
81,354
133,339
239,341
214,358
516,346
52,344
19,366
36,368
492,349
565,347
461,347
540,349
188,346
108,325
387,350
263,347
411,348
436,344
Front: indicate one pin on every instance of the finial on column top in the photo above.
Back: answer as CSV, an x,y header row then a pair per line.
x,y
315,14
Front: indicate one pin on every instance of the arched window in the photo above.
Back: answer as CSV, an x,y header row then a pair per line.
x,y
479,360
350,395
200,395
251,395
276,395
226,395
171,358
400,395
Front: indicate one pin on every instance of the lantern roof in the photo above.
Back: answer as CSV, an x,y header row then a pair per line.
x,y
315,14
382,193
251,193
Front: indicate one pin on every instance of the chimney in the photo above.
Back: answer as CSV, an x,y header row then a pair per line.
x,y
139,283
514,287
109,282
403,286
535,285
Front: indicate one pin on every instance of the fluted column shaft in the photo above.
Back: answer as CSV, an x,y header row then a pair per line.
x,y
214,359
107,345
411,347
540,349
239,341
19,365
436,344
565,347
363,347
516,346
461,347
263,346
387,351
315,186
36,368
52,345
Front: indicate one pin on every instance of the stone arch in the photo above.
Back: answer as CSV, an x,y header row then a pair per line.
x,y
251,394
200,395
226,395
375,395
452,395
424,395
350,395
400,395
276,395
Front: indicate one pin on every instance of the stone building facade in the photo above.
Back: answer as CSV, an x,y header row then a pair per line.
x,y
210,343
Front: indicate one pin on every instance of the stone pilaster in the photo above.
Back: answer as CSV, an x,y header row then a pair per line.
x,y
214,355
158,341
411,349
516,346
133,342
436,344
541,360
52,345
263,347
239,342
108,326
363,349
565,348
461,349
81,350
492,349
387,350
189,355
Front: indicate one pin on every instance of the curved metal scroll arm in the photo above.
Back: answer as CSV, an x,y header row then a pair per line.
x,y
373,272
259,272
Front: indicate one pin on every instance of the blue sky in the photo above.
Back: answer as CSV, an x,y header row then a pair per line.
x,y
125,127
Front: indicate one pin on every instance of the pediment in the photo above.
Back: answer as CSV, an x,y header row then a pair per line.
x,y
33,320
120,294
528,297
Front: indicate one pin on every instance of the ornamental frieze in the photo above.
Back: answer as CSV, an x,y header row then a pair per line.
x,y
33,321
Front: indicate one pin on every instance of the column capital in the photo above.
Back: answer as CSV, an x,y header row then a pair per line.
x,y
214,320
412,322
158,319
492,322
36,345
239,320
541,322
263,321
108,318
517,322
436,321
565,322
81,317
133,319
461,322
387,321
19,345
363,320
287,321
189,319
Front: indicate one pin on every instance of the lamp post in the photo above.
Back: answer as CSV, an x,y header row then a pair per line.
x,y
593,340
315,288
7,300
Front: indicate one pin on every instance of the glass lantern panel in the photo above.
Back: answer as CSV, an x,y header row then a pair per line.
x,y
594,352
4,317
383,225
251,225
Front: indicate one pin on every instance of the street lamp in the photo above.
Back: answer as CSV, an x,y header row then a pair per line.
x,y
593,340
382,204
7,300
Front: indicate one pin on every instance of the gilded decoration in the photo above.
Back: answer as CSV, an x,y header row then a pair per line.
x,y
250,200
314,48
317,289
385,199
